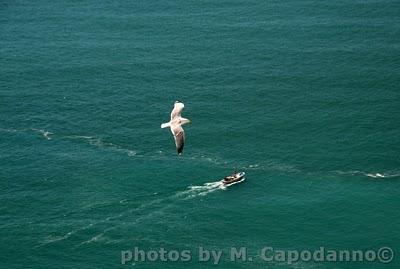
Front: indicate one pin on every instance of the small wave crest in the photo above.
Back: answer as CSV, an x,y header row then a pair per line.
x,y
382,175
376,175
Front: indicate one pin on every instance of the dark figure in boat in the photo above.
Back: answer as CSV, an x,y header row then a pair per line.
x,y
234,177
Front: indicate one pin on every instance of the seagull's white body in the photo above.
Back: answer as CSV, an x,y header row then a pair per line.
x,y
175,124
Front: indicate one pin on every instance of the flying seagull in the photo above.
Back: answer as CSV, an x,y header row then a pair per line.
x,y
175,124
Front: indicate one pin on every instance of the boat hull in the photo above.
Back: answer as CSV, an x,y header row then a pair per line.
x,y
236,179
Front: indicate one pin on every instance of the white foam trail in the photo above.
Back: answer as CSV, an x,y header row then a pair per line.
x,y
190,193
79,136
52,239
205,189
98,142
98,237
45,134
377,175
253,166
8,130
382,175
371,175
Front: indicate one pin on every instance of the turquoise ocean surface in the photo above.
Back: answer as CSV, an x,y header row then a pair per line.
x,y
301,95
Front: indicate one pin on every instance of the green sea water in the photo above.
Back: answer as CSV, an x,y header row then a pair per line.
x,y
301,95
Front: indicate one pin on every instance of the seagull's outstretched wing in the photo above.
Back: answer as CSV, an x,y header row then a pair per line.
x,y
179,135
176,112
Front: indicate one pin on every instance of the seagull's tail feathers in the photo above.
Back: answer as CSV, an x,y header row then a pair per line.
x,y
165,125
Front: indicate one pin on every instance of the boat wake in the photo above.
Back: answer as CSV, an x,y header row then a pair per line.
x,y
206,188
146,212
202,190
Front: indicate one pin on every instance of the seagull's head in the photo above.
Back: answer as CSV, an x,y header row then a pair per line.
x,y
177,101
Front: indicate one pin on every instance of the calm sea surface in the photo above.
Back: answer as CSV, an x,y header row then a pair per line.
x,y
301,95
